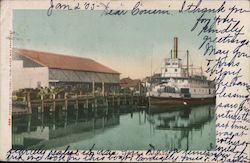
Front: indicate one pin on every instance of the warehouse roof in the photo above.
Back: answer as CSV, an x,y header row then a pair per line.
x,y
60,61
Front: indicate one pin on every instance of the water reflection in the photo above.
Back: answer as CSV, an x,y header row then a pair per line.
x,y
50,130
126,128
181,126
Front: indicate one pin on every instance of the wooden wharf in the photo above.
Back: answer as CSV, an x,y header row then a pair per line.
x,y
87,101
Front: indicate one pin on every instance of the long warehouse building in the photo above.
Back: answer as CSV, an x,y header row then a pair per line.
x,y
33,69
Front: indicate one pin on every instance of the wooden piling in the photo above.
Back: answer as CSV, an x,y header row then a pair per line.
x,y
77,103
87,103
66,101
103,91
29,103
42,103
54,102
93,88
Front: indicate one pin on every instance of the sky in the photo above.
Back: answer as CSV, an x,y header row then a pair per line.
x,y
128,44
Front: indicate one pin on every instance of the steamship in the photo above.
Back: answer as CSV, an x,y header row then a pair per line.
x,y
175,86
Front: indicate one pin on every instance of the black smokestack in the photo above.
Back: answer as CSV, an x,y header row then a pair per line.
x,y
175,47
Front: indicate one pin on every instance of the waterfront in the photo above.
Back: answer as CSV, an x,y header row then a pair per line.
x,y
123,128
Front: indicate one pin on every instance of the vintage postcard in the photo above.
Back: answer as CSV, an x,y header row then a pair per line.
x,y
125,81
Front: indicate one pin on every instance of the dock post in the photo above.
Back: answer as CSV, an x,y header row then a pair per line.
x,y
66,101
29,103
54,102
95,107
103,88
76,105
42,104
93,88
125,100
87,103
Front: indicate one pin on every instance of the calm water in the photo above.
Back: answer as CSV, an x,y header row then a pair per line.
x,y
125,128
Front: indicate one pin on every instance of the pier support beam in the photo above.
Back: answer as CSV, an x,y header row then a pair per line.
x,y
66,101
42,103
29,103
93,88
87,103
77,103
54,102
103,91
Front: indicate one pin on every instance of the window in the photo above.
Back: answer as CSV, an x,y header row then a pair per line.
x,y
166,70
175,70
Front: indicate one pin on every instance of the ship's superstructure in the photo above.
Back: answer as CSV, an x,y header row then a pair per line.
x,y
178,82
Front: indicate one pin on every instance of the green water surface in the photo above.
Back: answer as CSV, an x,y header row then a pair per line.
x,y
123,128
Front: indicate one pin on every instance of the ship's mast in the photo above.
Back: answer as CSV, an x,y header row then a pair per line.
x,y
192,72
187,64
